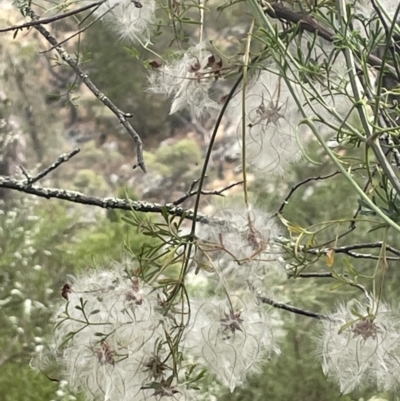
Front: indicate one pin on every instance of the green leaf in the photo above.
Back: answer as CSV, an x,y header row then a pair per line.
x,y
336,286
346,326
356,313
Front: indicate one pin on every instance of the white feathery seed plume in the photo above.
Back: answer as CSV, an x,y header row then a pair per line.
x,y
130,20
231,337
243,246
188,80
361,352
106,336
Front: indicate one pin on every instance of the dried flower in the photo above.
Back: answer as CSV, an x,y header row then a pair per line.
x,y
66,290
105,355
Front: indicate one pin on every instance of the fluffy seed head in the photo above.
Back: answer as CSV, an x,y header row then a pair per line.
x,y
271,117
243,244
130,20
361,352
188,80
231,338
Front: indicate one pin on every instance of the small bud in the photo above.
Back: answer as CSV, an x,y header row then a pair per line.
x,y
67,289
210,61
155,64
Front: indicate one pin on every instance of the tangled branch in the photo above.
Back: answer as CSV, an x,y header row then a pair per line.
x,y
122,117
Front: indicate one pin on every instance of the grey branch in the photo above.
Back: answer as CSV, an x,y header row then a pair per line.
x,y
122,117
105,203
62,159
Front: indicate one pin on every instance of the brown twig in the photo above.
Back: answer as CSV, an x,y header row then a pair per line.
x,y
299,184
349,250
279,11
314,275
122,117
78,32
293,309
50,19
203,192
367,245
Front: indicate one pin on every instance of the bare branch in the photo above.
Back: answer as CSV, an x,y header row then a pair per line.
x,y
51,19
305,181
292,309
355,255
93,88
78,32
62,159
105,203
348,250
299,184
216,192
367,245
315,275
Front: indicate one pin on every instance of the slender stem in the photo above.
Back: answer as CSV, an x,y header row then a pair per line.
x,y
209,150
350,179
244,128
293,309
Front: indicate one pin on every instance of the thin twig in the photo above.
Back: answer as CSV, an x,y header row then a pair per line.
x,y
358,210
50,19
299,184
25,173
367,245
93,88
194,183
391,45
356,255
305,181
62,159
78,32
314,275
293,309
346,249
203,192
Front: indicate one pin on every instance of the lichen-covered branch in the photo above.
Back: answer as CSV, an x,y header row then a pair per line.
x,y
105,203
